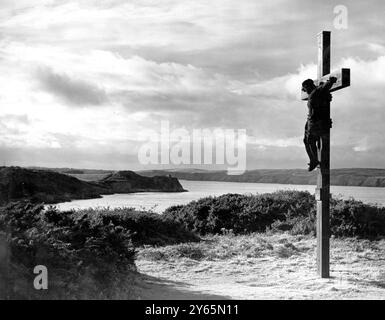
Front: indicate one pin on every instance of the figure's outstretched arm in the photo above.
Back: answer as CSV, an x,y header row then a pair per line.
x,y
328,84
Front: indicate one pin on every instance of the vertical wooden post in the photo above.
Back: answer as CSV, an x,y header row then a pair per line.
x,y
4,267
323,179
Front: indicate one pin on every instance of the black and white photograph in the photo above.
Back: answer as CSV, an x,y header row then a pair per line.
x,y
192,150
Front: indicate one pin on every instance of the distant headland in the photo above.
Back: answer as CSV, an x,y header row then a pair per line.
x,y
50,186
339,177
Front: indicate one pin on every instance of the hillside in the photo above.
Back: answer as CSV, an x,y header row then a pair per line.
x,y
52,187
45,186
338,177
129,181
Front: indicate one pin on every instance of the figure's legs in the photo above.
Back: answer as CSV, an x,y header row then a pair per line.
x,y
310,142
310,146
308,149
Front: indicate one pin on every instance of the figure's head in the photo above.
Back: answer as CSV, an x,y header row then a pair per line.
x,y
308,86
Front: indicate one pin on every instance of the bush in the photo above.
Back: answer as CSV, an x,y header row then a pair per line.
x,y
82,258
291,211
145,227
355,218
241,213
88,253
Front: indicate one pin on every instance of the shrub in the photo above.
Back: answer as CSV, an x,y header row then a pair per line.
x,y
291,211
145,227
241,213
355,218
82,258
89,253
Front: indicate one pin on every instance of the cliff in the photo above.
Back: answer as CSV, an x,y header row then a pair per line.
x,y
52,187
338,177
44,186
129,181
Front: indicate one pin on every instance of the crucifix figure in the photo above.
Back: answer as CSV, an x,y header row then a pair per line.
x,y
317,140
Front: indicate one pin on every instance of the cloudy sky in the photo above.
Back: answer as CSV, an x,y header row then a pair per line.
x,y
80,81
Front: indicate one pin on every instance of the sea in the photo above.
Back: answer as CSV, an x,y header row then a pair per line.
x,y
159,201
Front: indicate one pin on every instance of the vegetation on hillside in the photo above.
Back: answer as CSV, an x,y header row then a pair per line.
x,y
146,228
89,254
292,211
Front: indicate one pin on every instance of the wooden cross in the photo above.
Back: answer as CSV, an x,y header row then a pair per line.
x,y
4,267
323,179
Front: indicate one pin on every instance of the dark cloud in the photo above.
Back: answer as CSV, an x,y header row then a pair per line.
x,y
72,91
276,46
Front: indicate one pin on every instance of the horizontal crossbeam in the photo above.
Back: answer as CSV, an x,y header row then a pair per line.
x,y
343,81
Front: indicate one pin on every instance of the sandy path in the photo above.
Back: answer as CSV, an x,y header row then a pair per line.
x,y
357,270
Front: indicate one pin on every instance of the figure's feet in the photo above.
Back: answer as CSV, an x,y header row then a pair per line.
x,y
313,165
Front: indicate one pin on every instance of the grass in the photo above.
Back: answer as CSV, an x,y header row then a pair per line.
x,y
222,247
270,266
256,245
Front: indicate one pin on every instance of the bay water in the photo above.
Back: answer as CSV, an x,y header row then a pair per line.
x,y
159,201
